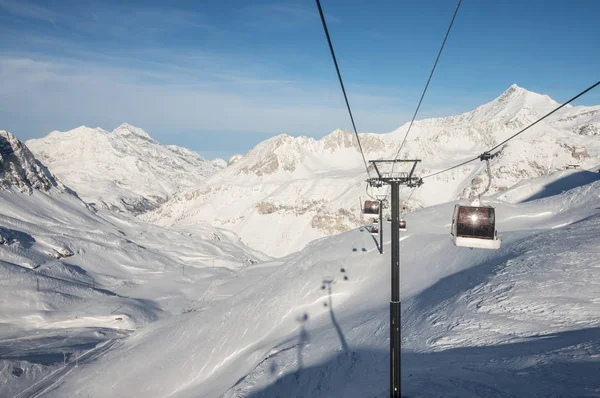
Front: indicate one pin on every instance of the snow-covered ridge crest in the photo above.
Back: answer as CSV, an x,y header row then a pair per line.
x,y
284,154
20,169
123,170
126,129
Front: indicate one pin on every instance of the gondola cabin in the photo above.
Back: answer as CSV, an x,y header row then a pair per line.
x,y
475,226
371,211
402,225
375,230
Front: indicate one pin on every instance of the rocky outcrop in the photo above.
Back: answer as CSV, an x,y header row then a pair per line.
x,y
21,170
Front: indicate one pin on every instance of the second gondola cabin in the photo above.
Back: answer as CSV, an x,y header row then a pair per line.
x,y
371,211
475,226
402,225
375,230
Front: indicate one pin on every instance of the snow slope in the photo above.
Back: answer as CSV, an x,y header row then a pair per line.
x,y
124,170
73,277
520,321
295,190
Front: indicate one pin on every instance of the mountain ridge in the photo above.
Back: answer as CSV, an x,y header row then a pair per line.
x,y
297,189
123,170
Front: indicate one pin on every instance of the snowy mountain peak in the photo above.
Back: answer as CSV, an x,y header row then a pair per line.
x,y
523,97
514,108
219,163
82,130
279,153
127,130
20,169
126,170
339,139
513,91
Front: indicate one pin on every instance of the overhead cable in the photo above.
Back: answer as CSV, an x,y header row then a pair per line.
x,y
429,79
337,69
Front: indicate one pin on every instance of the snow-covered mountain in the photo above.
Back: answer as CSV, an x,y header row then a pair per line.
x,y
123,170
89,296
288,191
519,321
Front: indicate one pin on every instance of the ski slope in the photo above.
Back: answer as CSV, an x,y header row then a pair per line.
x,y
520,321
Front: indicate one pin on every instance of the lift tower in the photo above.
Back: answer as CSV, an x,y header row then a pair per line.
x,y
394,180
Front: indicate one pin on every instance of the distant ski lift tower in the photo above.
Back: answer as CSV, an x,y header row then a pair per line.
x,y
394,180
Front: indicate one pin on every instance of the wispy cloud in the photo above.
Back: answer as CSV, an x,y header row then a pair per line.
x,y
25,9
125,71
110,20
56,93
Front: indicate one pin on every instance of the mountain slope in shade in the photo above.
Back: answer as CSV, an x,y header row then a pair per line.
x,y
125,170
288,191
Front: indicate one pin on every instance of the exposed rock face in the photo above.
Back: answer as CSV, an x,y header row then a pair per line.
x,y
297,209
234,159
21,170
580,153
335,222
588,129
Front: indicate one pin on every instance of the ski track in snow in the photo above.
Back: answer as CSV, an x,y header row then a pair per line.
x,y
53,379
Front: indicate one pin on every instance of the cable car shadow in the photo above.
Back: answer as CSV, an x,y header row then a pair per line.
x,y
460,282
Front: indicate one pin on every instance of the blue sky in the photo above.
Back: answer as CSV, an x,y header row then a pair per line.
x,y
220,76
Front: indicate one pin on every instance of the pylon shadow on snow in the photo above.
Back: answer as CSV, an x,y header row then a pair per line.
x,y
377,243
303,339
327,283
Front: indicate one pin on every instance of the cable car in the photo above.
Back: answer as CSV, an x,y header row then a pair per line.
x,y
389,220
375,230
475,226
371,208
402,225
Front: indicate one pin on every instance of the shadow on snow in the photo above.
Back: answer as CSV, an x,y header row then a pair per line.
x,y
566,183
560,364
